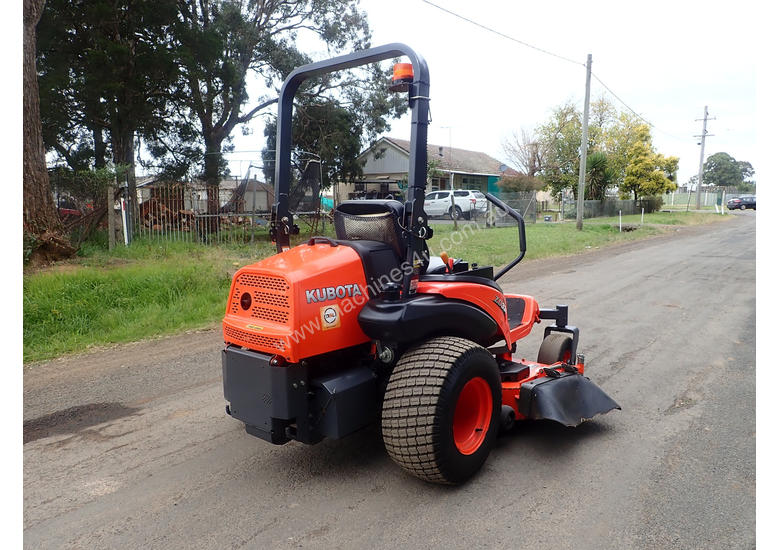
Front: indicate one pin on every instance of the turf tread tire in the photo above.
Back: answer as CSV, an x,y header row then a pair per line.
x,y
414,415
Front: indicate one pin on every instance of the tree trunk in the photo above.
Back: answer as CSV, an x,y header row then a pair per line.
x,y
40,220
100,147
211,164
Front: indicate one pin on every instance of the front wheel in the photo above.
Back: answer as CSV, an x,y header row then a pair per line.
x,y
742,207
442,409
555,347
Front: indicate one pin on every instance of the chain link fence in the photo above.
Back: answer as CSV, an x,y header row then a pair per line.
x,y
523,201
606,208
709,197
239,211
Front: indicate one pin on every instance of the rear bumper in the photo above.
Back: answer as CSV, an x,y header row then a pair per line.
x,y
280,403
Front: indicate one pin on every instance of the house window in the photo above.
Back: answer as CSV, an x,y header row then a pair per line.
x,y
438,184
473,182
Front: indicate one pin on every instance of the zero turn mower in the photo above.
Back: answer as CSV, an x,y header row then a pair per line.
x,y
324,338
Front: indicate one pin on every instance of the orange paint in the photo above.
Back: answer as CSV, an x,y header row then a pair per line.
x,y
487,298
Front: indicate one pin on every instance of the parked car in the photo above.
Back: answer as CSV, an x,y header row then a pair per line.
x,y
467,201
744,202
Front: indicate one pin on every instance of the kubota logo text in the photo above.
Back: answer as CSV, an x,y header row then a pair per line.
x,y
332,292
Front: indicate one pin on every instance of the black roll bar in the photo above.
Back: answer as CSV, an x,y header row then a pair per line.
x,y
415,220
520,228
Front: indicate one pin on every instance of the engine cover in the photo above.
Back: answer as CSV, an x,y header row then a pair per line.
x,y
299,303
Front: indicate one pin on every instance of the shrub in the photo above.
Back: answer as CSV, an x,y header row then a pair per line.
x,y
652,204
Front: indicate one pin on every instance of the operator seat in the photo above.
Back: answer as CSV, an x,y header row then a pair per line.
x,y
373,228
371,220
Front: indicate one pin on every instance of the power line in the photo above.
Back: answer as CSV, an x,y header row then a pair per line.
x,y
526,44
627,106
621,101
499,33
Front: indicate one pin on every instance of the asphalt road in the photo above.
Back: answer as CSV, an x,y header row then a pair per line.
x,y
131,448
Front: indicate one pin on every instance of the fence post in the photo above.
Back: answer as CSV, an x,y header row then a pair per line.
x,y
620,221
124,221
452,209
254,207
642,219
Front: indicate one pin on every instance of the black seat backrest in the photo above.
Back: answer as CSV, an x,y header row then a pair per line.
x,y
372,220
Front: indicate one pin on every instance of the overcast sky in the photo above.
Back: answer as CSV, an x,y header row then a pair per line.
x,y
665,59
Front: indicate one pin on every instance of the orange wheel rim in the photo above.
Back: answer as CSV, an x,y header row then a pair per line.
x,y
472,416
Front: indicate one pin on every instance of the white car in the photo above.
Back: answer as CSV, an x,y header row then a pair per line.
x,y
467,201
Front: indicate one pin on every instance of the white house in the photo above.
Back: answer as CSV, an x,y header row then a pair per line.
x,y
386,166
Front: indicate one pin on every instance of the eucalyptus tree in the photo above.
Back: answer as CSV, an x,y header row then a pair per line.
x,y
43,232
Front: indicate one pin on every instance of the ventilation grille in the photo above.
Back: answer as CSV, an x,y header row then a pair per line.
x,y
270,301
257,341
266,282
268,314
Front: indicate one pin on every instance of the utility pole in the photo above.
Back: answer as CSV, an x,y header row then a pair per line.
x,y
583,148
703,136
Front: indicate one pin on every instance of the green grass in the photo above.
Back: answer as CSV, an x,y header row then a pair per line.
x,y
70,311
667,218
686,207
498,246
154,288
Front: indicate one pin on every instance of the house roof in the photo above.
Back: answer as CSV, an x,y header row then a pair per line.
x,y
453,159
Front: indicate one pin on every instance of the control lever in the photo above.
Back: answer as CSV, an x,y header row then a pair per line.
x,y
449,263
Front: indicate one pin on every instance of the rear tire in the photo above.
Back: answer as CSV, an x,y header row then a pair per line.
x,y
742,207
455,212
555,347
442,409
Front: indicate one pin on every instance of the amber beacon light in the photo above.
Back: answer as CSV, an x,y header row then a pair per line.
x,y
403,75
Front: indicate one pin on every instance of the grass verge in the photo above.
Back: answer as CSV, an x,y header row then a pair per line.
x,y
157,288
498,246
70,311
